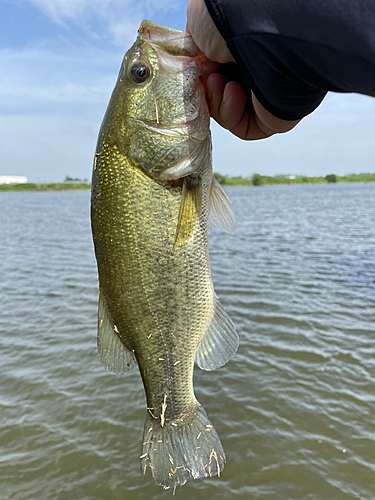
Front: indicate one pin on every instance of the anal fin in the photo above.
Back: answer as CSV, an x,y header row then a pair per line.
x,y
113,355
219,343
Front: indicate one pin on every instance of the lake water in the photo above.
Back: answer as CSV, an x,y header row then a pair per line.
x,y
295,408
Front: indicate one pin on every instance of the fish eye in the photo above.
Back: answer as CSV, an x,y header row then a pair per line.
x,y
140,72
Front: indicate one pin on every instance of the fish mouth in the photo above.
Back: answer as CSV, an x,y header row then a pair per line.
x,y
176,50
171,40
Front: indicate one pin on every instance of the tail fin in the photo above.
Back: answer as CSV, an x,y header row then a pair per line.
x,y
182,449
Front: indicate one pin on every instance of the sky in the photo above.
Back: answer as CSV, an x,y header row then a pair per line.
x,y
59,61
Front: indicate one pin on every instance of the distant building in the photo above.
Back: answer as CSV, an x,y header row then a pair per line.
x,y
13,179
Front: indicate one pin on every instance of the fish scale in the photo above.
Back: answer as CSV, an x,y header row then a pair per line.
x,y
170,286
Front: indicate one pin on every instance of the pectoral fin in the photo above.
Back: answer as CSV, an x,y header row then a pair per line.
x,y
113,355
190,209
220,211
219,343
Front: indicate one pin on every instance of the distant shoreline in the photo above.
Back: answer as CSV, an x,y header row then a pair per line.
x,y
265,180
224,180
55,186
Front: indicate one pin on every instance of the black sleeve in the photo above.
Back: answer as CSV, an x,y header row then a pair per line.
x,y
292,52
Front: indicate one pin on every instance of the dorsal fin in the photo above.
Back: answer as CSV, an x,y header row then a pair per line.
x,y
113,355
220,211
219,343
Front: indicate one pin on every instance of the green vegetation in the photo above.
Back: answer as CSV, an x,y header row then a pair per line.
x,y
55,186
224,180
331,178
68,184
258,180
74,179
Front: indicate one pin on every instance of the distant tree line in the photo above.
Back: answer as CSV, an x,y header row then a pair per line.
x,y
74,179
259,180
54,186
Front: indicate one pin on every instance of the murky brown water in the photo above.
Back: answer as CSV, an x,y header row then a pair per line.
x,y
295,408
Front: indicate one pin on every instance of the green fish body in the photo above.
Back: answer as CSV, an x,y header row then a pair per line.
x,y
153,200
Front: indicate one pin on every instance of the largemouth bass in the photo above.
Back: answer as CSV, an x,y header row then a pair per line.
x,y
154,198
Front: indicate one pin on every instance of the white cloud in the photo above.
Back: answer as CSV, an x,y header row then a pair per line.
x,y
33,96
63,10
118,19
60,10
123,30
34,79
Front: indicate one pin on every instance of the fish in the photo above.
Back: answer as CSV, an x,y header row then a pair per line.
x,y
153,200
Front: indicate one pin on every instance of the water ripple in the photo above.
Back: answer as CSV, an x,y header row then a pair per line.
x,y
294,408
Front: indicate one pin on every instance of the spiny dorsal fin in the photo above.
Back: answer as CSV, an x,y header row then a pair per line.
x,y
113,355
219,343
220,211
190,209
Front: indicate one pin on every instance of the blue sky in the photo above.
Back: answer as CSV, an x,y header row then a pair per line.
x,y
59,61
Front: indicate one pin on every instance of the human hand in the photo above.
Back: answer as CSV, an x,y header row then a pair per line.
x,y
230,105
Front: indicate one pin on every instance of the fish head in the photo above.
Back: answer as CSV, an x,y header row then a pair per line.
x,y
158,116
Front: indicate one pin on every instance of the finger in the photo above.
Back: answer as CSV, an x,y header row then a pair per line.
x,y
268,121
205,34
232,110
238,114
229,107
215,90
189,15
